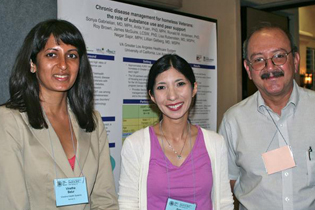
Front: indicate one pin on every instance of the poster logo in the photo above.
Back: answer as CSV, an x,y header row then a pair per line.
x,y
198,57
204,59
100,50
207,59
111,51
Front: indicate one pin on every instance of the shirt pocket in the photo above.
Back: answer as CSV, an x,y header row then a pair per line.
x,y
310,170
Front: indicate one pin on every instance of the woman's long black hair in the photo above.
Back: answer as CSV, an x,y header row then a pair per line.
x,y
24,87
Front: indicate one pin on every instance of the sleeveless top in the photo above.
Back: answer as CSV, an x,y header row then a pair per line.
x,y
181,179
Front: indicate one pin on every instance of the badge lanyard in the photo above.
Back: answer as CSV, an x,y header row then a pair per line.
x,y
278,159
192,163
69,191
276,131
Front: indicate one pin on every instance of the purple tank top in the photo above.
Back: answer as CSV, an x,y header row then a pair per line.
x,y
181,178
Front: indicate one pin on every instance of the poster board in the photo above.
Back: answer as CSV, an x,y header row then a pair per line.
x,y
123,41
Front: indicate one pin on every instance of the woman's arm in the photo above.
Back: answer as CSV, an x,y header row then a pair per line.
x,y
104,194
129,178
13,192
226,198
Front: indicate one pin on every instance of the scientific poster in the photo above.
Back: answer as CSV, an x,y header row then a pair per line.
x,y
123,41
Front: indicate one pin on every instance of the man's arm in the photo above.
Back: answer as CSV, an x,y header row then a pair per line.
x,y
226,132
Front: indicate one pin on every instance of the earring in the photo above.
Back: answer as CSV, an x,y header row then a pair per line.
x,y
33,70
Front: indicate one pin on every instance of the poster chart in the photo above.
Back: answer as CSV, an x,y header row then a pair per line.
x,y
123,42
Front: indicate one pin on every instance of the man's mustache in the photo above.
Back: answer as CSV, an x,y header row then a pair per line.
x,y
273,74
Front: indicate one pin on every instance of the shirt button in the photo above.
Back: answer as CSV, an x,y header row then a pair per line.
x,y
286,173
287,199
281,125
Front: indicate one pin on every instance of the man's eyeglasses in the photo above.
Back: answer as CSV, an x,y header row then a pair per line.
x,y
278,59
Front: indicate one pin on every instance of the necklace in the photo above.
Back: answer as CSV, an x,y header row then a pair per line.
x,y
179,156
191,160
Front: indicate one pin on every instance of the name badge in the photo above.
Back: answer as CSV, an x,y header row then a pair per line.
x,y
70,191
278,160
173,204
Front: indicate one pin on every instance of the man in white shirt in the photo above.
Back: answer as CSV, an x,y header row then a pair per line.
x,y
279,114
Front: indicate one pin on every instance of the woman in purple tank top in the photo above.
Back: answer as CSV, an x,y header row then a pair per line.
x,y
174,164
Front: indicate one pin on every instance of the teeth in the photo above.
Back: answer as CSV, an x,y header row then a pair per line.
x,y
61,76
175,106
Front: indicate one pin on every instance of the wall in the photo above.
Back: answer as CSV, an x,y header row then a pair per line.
x,y
307,16
307,33
17,18
293,15
227,13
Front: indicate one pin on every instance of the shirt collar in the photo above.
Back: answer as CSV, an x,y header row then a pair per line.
x,y
294,99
